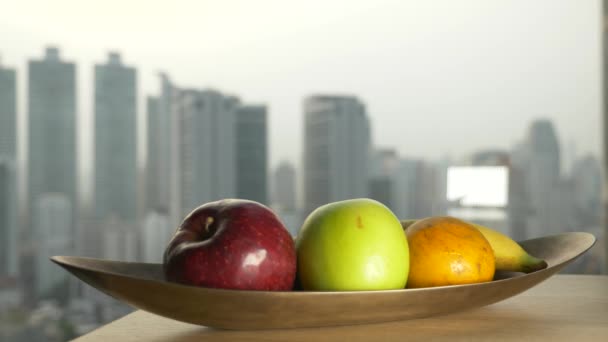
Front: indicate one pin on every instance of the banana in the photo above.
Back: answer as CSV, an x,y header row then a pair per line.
x,y
407,223
510,256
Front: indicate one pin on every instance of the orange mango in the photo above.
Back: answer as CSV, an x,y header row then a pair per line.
x,y
448,251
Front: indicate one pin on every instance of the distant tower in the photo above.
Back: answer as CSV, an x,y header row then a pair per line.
x,y
284,188
383,176
152,152
519,202
154,237
8,113
8,220
52,220
252,153
203,150
158,145
587,179
336,150
52,128
8,180
115,166
406,188
284,197
542,175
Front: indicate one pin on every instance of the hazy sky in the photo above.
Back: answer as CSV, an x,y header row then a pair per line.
x,y
438,77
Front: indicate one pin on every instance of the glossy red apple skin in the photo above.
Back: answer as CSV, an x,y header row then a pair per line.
x,y
232,244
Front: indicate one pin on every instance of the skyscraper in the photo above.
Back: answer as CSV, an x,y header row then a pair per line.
x,y
202,154
586,199
52,128
336,150
383,176
52,224
154,237
8,219
519,201
426,198
8,113
284,196
8,181
542,172
252,153
587,182
115,165
152,146
158,170
406,188
284,189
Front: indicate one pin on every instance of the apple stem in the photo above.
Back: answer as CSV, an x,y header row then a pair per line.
x,y
208,224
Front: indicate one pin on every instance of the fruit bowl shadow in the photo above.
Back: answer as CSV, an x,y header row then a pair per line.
x,y
143,286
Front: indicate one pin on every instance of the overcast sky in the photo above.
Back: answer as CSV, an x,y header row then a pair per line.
x,y
438,77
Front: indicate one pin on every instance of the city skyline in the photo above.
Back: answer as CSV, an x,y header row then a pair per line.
x,y
529,70
86,179
190,109
212,137
53,60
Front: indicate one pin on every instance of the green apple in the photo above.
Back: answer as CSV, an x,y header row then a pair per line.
x,y
352,245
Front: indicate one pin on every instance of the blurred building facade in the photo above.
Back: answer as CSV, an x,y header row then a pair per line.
x,y
382,173
203,154
252,153
119,239
284,196
8,112
158,148
9,242
406,188
53,219
51,165
587,182
336,150
52,127
543,175
537,161
155,235
115,166
8,173
284,187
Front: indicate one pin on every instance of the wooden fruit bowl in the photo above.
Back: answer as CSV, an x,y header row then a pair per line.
x,y
143,286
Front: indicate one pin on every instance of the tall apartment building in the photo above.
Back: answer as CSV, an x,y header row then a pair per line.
x,y
203,159
336,150
158,146
52,128
115,166
252,153
8,172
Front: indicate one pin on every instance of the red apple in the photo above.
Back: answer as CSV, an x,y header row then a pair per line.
x,y
232,244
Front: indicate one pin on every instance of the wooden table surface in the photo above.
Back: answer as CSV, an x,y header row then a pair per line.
x,y
563,308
